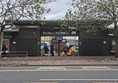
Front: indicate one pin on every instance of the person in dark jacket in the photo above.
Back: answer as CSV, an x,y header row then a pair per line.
x,y
4,48
46,50
52,49
65,50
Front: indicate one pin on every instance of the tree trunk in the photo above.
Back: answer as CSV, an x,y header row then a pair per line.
x,y
1,41
116,37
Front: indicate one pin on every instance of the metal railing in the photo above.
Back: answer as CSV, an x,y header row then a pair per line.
x,y
15,54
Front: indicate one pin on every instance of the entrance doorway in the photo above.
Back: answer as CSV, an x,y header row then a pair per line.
x,y
71,41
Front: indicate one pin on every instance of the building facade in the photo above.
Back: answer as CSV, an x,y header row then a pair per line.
x,y
30,36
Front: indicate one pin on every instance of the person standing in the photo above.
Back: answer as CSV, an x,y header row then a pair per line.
x,y
46,50
65,50
4,48
52,49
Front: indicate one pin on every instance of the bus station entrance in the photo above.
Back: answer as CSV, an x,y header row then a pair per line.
x,y
59,42
59,39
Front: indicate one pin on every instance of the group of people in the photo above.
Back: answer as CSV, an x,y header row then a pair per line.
x,y
46,50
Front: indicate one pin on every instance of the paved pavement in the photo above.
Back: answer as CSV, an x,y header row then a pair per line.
x,y
59,60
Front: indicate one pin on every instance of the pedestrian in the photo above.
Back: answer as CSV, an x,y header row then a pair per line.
x,y
46,50
65,50
52,49
4,48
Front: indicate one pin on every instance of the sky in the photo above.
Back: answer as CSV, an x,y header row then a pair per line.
x,y
58,9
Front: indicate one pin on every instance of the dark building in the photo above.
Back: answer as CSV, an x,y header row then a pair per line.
x,y
31,36
95,43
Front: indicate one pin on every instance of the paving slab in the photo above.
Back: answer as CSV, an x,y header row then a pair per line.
x,y
59,61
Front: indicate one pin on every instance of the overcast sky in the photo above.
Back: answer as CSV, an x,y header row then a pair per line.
x,y
58,9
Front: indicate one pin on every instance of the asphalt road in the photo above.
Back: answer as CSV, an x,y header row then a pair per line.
x,y
59,74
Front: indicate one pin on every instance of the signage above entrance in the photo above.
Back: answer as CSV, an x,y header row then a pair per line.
x,y
57,33
49,31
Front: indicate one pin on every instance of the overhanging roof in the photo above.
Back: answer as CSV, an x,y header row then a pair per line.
x,y
111,26
12,30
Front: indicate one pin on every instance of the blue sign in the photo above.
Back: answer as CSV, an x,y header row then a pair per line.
x,y
59,37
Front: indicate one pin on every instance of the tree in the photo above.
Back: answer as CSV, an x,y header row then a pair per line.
x,y
90,11
15,10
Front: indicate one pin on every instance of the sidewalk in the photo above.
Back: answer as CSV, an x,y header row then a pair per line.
x,y
59,61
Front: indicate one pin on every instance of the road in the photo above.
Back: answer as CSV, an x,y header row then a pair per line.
x,y
59,74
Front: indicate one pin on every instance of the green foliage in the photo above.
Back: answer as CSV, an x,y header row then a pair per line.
x,y
14,10
93,15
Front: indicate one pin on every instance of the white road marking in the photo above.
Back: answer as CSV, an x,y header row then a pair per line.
x,y
63,68
79,79
15,70
51,68
95,67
